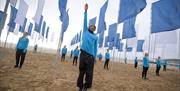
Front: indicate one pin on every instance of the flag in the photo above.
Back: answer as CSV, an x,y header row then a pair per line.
x,y
21,14
118,44
38,25
116,40
101,38
62,8
129,29
111,44
39,10
102,23
165,16
47,32
30,28
11,23
130,8
120,47
80,36
112,32
22,28
140,45
65,21
13,2
106,42
43,28
92,21
2,20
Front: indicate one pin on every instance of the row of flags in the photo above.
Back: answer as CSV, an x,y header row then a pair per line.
x,y
19,23
76,39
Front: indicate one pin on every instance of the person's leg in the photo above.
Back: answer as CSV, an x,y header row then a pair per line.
x,y
143,72
64,57
17,58
156,70
82,71
23,55
73,61
146,69
89,72
108,64
76,61
105,64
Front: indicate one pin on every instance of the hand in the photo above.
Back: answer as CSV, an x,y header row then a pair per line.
x,y
86,7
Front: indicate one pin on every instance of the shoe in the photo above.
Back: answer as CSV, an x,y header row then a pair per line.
x,y
15,66
85,89
80,89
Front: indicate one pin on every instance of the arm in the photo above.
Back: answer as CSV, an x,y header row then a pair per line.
x,y
26,45
17,44
85,27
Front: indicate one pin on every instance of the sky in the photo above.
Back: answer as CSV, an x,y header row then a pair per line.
x,y
76,10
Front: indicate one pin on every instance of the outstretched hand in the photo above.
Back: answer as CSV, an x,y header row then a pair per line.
x,y
86,7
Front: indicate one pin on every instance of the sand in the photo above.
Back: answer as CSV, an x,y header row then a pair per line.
x,y
45,72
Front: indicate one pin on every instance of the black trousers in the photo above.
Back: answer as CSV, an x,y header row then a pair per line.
x,y
75,60
86,67
135,65
20,56
106,64
157,70
164,67
63,57
144,73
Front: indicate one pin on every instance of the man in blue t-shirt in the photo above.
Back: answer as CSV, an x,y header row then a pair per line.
x,y
135,62
107,58
158,66
145,66
21,49
76,54
64,52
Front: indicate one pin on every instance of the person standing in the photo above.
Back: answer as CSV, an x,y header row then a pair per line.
x,y
107,58
135,62
35,48
164,65
99,56
158,66
76,54
145,66
21,49
71,53
87,55
64,51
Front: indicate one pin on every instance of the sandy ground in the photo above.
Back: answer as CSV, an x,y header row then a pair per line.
x,y
45,72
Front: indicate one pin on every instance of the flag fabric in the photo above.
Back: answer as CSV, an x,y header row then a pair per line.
x,y
11,23
13,2
30,28
102,23
22,11
2,20
118,43
62,8
106,42
140,45
80,36
38,25
43,28
165,16
120,47
47,32
22,28
130,8
112,32
92,21
111,44
129,29
101,39
39,10
116,40
65,21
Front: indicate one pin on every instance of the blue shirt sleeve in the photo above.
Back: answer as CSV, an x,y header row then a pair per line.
x,y
26,45
85,27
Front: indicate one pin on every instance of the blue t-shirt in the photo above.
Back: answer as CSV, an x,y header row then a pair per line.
x,y
22,43
107,55
76,52
146,62
64,51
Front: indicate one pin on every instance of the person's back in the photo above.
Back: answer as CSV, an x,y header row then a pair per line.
x,y
145,61
107,55
76,52
64,50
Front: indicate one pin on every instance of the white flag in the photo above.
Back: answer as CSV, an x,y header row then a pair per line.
x,y
39,11
21,14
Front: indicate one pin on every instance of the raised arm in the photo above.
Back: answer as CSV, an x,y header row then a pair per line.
x,y
85,27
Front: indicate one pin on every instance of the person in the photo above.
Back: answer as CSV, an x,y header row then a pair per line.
x,y
71,53
145,66
135,62
158,66
64,51
35,48
21,49
100,56
164,65
76,54
107,57
125,60
87,55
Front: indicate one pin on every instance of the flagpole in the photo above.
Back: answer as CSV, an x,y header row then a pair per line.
x,y
125,58
154,45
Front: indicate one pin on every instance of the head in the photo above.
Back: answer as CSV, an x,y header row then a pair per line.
x,y
159,57
76,47
65,46
107,50
92,28
25,34
146,54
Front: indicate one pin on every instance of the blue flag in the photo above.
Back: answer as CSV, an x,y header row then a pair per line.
x,y
92,21
140,45
129,29
38,26
112,32
102,23
165,15
65,21
101,38
120,47
116,40
106,42
80,36
22,28
117,45
129,49
62,8
43,28
130,8
47,32
12,23
111,44
30,28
